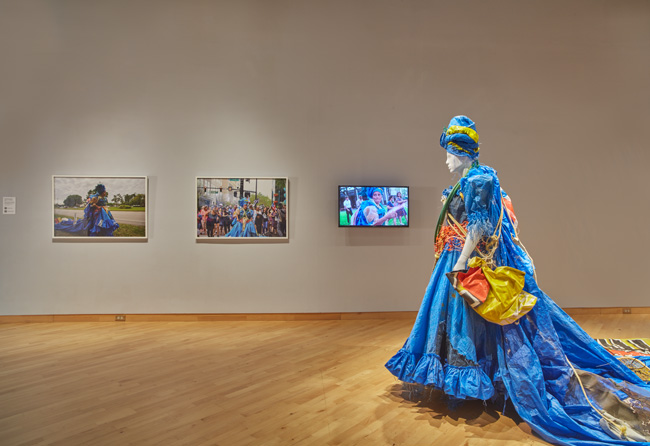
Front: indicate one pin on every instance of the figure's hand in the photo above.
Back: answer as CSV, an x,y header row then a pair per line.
x,y
391,214
461,264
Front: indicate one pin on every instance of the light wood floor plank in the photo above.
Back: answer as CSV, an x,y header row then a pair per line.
x,y
230,383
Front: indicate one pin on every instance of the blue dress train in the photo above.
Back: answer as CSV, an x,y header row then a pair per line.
x,y
97,221
245,226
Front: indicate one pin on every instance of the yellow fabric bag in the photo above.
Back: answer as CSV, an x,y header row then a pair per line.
x,y
506,301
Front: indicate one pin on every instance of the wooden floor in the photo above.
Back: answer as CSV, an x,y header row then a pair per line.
x,y
234,383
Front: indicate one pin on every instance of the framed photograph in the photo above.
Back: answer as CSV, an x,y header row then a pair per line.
x,y
373,206
99,207
242,208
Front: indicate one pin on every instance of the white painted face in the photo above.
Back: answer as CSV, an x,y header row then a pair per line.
x,y
455,163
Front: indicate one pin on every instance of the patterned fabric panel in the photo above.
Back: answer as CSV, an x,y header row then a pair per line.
x,y
634,347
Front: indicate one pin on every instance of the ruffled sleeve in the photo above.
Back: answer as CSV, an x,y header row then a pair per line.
x,y
445,193
477,192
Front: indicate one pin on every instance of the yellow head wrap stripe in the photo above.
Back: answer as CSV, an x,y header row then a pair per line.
x,y
469,152
460,129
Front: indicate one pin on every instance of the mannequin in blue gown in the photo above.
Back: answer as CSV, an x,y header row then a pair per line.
x,y
568,388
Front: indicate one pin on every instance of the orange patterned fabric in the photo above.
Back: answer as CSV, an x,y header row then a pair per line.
x,y
510,210
450,239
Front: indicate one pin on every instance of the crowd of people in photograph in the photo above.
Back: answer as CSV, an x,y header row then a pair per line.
x,y
245,219
368,207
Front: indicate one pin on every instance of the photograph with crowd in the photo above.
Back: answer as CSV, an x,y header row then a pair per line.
x,y
241,207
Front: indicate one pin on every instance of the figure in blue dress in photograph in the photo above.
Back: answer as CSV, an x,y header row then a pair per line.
x,y
249,226
373,211
568,388
245,224
237,227
97,221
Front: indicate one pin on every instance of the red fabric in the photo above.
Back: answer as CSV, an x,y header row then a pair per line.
x,y
475,282
622,353
510,210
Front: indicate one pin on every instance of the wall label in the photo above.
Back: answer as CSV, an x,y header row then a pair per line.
x,y
9,205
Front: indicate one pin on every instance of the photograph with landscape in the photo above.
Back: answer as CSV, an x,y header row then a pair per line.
x,y
99,206
235,208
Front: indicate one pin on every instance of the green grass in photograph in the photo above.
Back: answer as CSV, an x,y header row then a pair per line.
x,y
64,234
343,219
133,209
129,231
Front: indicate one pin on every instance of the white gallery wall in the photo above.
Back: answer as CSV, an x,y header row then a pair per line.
x,y
324,92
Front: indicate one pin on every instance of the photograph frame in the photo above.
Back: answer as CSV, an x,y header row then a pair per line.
x,y
136,224
257,200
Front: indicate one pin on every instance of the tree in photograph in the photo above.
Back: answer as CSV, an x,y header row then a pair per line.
x,y
263,199
281,189
72,201
137,200
117,199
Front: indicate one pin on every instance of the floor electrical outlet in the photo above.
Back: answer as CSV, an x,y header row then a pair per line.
x,y
120,318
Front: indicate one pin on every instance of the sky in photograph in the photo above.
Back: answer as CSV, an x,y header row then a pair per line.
x,y
64,186
264,186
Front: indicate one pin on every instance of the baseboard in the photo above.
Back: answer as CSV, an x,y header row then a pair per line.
x,y
607,310
214,317
209,317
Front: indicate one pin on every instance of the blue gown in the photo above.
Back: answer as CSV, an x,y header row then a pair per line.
x,y
241,229
236,230
249,228
529,362
97,221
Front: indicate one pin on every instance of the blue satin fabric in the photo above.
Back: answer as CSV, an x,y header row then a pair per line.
x,y
97,222
453,349
236,230
244,230
249,229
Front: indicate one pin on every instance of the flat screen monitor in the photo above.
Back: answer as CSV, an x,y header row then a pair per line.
x,y
374,206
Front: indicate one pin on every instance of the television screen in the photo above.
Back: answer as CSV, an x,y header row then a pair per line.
x,y
373,206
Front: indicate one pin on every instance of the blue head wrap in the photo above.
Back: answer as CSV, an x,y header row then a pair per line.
x,y
242,202
460,137
100,188
372,190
